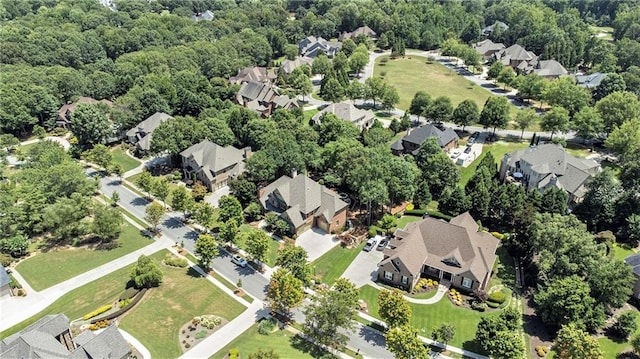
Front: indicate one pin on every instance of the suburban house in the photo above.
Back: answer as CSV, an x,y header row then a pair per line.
x,y
348,112
207,15
212,164
548,165
51,337
453,252
263,98
312,46
288,66
64,113
304,203
5,283
253,74
634,261
487,31
411,142
550,69
141,134
487,48
362,30
590,81
516,56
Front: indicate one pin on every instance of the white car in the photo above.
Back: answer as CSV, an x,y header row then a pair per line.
x,y
239,260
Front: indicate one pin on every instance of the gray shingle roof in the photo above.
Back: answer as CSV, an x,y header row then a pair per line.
x,y
486,46
347,112
550,68
145,128
634,261
289,65
4,277
590,81
420,134
213,156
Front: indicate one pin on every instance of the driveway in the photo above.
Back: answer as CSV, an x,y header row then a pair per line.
x,y
316,242
363,270
213,198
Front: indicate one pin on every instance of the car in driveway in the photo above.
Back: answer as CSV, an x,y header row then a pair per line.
x,y
370,244
239,261
383,244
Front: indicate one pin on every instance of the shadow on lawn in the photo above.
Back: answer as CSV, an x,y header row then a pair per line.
x,y
192,272
473,346
307,347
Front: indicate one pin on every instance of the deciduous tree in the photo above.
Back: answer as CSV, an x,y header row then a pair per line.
x,y
294,258
107,223
556,120
495,113
284,292
154,213
524,118
257,244
230,208
146,273
466,113
419,104
573,342
207,249
403,342
394,309
90,125
440,109
617,108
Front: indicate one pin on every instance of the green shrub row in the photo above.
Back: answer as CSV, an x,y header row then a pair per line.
x,y
414,212
497,297
129,293
97,312
493,305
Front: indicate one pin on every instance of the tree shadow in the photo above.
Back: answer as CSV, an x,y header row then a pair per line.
x,y
473,346
307,347
173,223
139,201
371,336
192,272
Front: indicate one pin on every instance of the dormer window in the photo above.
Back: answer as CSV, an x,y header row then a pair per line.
x,y
452,261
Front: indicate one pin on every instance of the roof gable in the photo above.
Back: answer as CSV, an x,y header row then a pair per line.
x,y
213,156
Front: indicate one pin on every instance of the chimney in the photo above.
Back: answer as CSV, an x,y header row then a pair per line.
x,y
294,173
247,152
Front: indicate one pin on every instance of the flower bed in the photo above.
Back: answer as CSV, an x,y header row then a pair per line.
x,y
425,285
198,329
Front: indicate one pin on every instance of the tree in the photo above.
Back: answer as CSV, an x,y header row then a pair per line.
x,y
358,61
332,91
181,199
564,92
99,155
90,125
613,82
257,244
356,90
145,182
332,312
554,200
587,123
419,104
507,345
597,208
230,208
39,131
294,258
146,273
284,291
617,108
160,188
495,113
495,69
244,190
530,86
115,198
207,249
290,52
440,109
506,76
466,113
635,344
454,201
403,342
321,65
15,246
300,82
555,120
394,309
390,98
253,212
499,336
154,213
625,140
444,333
524,118
574,343
228,231
203,213
438,171
107,223
375,88
117,170
626,324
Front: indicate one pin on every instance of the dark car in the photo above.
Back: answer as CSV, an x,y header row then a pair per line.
x,y
467,150
370,244
383,243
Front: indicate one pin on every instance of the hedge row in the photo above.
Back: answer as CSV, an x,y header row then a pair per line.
x,y
118,313
129,293
97,312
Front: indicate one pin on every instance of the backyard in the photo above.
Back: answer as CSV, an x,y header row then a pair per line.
x,y
497,149
55,266
332,264
125,161
283,343
183,294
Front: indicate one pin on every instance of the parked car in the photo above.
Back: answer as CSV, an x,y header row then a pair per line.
x,y
236,259
467,150
370,244
383,244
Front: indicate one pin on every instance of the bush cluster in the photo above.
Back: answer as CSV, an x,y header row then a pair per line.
x,y
427,282
207,321
479,306
498,235
175,261
266,326
123,303
234,353
414,212
201,334
99,325
455,296
129,293
97,312
497,297
541,351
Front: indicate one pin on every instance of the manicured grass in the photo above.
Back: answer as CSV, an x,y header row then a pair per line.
x,y
83,300
497,149
283,343
611,347
332,264
427,316
272,254
183,294
577,150
404,220
504,271
397,136
309,113
410,74
607,32
46,269
121,158
622,251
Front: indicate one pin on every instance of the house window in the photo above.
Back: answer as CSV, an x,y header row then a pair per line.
x,y
405,280
466,282
388,275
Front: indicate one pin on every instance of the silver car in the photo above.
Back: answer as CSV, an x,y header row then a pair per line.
x,y
239,260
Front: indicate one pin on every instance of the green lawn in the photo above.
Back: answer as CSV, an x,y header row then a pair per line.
x,y
612,347
46,269
603,32
404,220
271,255
497,149
410,74
332,264
426,317
83,300
121,158
283,342
622,251
309,113
183,294
504,271
172,187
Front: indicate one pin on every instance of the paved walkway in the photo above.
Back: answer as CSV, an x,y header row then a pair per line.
x,y
139,347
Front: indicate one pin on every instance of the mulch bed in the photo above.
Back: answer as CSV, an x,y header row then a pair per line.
x,y
188,333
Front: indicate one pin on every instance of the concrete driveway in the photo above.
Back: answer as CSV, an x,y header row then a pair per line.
x,y
213,198
363,270
316,242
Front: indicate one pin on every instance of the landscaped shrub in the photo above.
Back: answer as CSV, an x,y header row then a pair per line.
x,y
187,345
541,351
479,306
497,297
410,207
129,293
5,260
123,303
201,334
414,212
493,304
14,283
175,261
266,326
498,235
97,312
208,321
234,353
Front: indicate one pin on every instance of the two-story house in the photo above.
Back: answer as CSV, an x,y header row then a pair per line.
x,y
312,46
212,164
263,98
140,135
346,111
64,113
447,139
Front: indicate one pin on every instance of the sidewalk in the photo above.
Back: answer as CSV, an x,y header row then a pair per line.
x,y
134,342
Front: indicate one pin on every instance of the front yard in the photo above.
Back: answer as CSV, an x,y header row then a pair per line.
x,y
45,269
332,264
125,161
183,294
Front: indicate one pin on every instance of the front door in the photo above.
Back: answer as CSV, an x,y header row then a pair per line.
x,y
446,276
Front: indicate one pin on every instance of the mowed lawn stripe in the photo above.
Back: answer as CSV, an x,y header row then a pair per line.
x,y
332,264
46,269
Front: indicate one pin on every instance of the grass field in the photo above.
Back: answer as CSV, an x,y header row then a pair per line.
x,y
83,300
622,251
46,269
332,264
612,347
183,294
121,158
404,220
412,74
603,32
426,317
